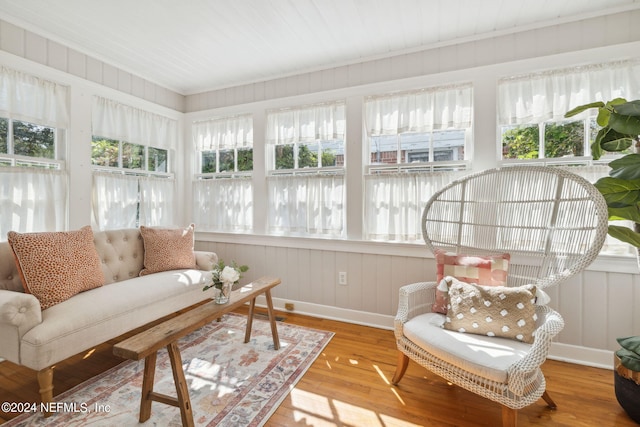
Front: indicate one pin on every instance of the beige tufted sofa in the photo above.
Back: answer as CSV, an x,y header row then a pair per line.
x,y
39,338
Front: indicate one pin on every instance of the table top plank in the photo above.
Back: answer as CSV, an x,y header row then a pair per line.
x,y
151,340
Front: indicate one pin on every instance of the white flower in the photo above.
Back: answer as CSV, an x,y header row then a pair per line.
x,y
229,275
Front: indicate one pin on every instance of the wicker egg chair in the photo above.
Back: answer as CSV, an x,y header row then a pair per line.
x,y
553,224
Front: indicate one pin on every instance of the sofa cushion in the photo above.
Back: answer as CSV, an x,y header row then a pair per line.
x,y
108,311
167,249
54,266
485,356
495,311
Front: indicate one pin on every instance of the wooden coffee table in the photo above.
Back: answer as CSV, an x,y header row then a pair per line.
x,y
145,345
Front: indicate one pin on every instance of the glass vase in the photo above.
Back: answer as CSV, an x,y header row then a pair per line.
x,y
223,293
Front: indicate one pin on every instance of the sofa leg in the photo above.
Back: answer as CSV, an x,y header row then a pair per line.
x,y
401,367
45,381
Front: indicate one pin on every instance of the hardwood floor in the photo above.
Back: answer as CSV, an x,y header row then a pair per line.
x,y
349,385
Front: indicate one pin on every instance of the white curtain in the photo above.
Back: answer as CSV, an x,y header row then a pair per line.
x,y
114,201
223,204
306,205
111,119
225,133
420,111
32,200
394,203
538,97
157,201
306,124
29,98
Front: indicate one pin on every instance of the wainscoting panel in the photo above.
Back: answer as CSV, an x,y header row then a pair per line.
x,y
597,305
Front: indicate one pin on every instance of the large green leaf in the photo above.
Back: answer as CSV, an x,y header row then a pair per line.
x,y
625,234
629,125
629,359
581,108
630,343
631,213
626,168
610,140
631,108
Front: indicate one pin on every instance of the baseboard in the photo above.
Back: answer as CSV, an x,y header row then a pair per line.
x,y
562,352
581,355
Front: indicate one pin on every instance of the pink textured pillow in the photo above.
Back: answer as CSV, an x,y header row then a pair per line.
x,y
55,266
167,249
483,270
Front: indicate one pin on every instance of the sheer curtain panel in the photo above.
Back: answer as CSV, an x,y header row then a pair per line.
x,y
157,201
420,111
223,204
114,201
306,205
534,98
26,97
111,119
32,200
394,203
226,133
306,124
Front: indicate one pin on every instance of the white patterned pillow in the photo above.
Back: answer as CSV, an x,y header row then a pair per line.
x,y
498,311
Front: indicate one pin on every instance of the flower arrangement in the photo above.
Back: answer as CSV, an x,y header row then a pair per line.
x,y
229,274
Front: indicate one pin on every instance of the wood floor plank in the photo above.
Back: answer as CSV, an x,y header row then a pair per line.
x,y
350,385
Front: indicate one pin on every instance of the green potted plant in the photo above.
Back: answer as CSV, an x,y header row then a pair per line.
x,y
627,376
620,121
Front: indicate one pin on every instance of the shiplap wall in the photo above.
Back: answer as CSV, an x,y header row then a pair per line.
x,y
598,305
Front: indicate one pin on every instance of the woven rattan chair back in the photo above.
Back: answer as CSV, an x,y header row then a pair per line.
x,y
552,222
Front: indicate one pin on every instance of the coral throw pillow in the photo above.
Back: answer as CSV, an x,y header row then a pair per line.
x,y
167,249
495,311
483,270
55,266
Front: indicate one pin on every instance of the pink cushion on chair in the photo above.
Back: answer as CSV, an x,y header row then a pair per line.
x,y
483,270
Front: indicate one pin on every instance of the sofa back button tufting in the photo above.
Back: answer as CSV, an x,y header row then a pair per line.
x,y
9,277
22,309
115,277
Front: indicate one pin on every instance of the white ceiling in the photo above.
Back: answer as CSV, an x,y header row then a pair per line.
x,y
191,46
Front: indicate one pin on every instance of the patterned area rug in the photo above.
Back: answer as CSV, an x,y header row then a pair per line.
x,y
230,383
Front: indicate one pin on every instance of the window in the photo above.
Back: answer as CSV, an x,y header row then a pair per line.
x,y
111,153
306,187
531,111
418,142
33,180
223,190
131,155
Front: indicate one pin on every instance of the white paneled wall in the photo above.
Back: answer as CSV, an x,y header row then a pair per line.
x,y
597,306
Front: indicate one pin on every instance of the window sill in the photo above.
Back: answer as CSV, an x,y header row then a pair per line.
x,y
604,263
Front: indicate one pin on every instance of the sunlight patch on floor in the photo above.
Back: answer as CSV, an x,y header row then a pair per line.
x,y
316,410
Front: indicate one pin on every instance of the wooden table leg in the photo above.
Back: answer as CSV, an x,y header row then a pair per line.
x,y
147,386
272,320
184,402
247,334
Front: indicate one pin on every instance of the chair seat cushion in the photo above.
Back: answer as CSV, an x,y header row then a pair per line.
x,y
488,357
